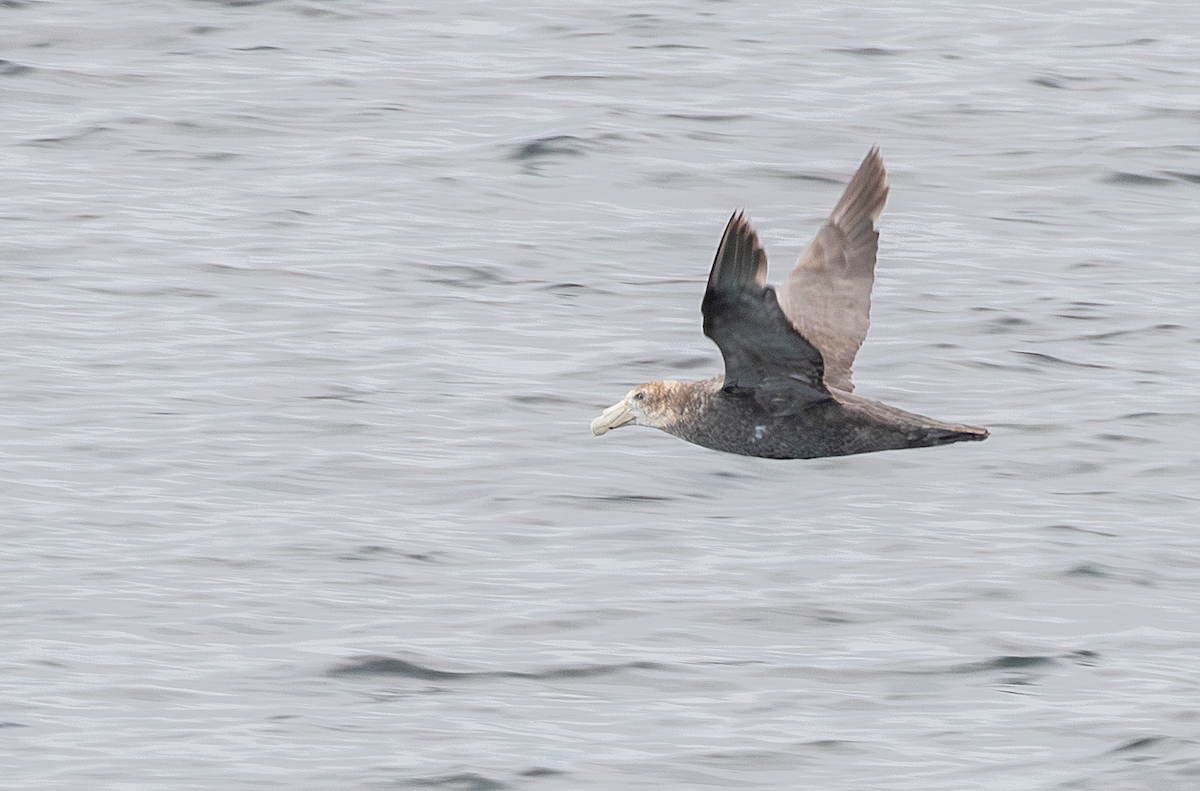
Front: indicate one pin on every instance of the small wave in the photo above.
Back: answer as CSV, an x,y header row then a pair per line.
x,y
10,69
556,146
1135,179
391,666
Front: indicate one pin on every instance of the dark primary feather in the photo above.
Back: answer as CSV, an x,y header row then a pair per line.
x,y
765,356
827,297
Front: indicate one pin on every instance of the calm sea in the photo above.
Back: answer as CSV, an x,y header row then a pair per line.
x,y
307,305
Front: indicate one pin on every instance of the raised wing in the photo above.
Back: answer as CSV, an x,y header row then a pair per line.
x,y
827,297
765,356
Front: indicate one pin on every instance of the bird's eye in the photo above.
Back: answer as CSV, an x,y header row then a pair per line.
x,y
638,396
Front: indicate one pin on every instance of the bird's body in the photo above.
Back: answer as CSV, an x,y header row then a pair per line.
x,y
787,390
844,424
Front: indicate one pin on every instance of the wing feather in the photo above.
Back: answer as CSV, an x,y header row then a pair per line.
x,y
827,297
765,356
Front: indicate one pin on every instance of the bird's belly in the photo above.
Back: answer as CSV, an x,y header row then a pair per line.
x,y
825,429
751,432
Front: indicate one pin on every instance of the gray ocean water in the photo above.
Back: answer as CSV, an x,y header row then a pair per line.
x,y
307,306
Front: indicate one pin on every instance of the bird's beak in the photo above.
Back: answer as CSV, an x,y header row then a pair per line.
x,y
615,416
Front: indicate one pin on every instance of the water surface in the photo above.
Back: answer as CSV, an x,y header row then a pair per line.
x,y
307,307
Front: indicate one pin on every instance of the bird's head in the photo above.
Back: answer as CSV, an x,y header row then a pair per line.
x,y
652,404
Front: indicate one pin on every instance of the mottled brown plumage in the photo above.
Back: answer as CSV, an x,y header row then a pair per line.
x,y
787,390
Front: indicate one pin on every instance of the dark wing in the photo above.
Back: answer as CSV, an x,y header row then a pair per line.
x,y
764,354
827,297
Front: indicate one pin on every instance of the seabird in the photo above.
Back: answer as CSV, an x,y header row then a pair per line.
x,y
786,392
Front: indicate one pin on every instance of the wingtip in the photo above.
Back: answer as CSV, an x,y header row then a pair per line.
x,y
873,164
740,256
865,194
874,156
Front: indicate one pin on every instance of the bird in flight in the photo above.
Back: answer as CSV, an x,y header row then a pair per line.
x,y
787,392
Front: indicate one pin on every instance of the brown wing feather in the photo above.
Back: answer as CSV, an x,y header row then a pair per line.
x,y
765,356
827,296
